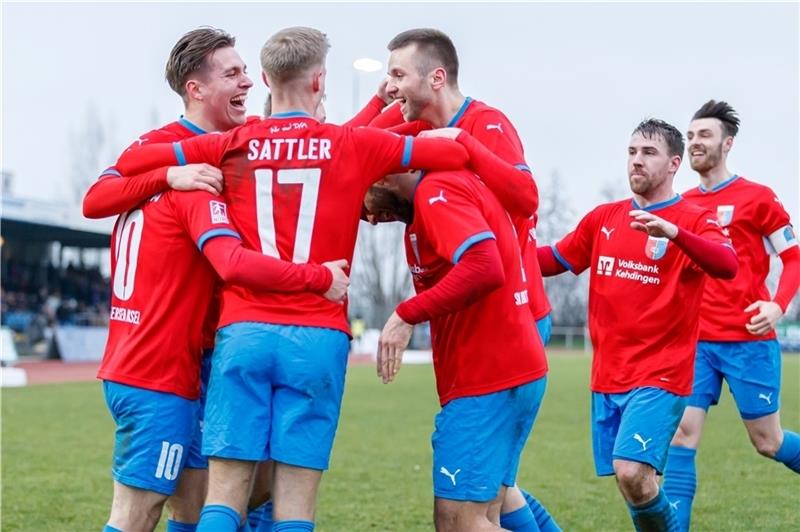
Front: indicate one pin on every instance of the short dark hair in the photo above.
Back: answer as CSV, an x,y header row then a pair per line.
x,y
652,127
190,54
723,112
436,47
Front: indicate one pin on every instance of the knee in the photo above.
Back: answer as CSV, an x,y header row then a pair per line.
x,y
446,517
635,482
766,446
685,436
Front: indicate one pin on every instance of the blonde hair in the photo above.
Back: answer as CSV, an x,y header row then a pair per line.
x,y
292,51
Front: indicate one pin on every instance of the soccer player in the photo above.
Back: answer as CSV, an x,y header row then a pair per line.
x,y
296,188
737,317
468,274
423,77
151,366
648,258
205,70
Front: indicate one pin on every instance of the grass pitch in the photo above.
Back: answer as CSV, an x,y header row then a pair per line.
x,y
57,440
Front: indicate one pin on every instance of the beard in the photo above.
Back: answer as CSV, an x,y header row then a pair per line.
x,y
710,160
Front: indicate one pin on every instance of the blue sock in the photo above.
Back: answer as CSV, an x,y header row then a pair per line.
x,y
789,453
654,516
109,528
254,516
680,482
175,526
265,524
521,520
544,520
293,526
218,518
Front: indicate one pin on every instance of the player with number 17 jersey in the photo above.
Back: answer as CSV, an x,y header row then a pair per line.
x,y
295,187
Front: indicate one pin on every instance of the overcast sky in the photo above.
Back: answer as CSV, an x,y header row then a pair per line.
x,y
575,79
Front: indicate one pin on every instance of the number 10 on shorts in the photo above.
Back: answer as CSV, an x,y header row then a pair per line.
x,y
169,463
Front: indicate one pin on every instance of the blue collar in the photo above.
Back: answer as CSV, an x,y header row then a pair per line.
x,y
463,109
291,114
194,128
656,206
719,186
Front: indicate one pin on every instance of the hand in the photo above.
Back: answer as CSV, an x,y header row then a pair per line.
x,y
653,225
391,344
765,320
195,177
382,94
442,133
338,290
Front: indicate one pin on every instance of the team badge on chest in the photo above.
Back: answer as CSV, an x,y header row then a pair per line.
x,y
724,215
656,247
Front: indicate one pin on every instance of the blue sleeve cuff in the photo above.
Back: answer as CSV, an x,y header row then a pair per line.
x,y
474,239
213,233
523,167
179,156
409,143
111,171
561,259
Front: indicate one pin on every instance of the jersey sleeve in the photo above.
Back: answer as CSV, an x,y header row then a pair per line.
x,y
495,131
574,251
209,148
381,153
451,216
114,194
203,216
774,222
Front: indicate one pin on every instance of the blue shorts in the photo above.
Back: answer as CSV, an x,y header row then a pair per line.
x,y
636,426
196,458
154,430
275,393
545,327
753,372
478,441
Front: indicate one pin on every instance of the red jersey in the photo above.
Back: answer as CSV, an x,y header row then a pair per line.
x,y
296,187
753,216
159,281
491,345
175,132
493,129
644,295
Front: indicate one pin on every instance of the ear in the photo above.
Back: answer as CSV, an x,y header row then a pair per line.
x,y
316,80
674,163
264,78
727,144
438,78
194,90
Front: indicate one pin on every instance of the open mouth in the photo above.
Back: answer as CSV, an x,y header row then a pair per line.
x,y
238,102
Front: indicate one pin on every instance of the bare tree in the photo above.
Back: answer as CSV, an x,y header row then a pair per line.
x,y
568,294
380,277
92,149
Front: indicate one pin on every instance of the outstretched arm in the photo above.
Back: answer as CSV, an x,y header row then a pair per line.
x,y
244,267
478,272
114,193
715,258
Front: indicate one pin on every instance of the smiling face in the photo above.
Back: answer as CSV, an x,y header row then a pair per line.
x,y
222,87
408,82
708,144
